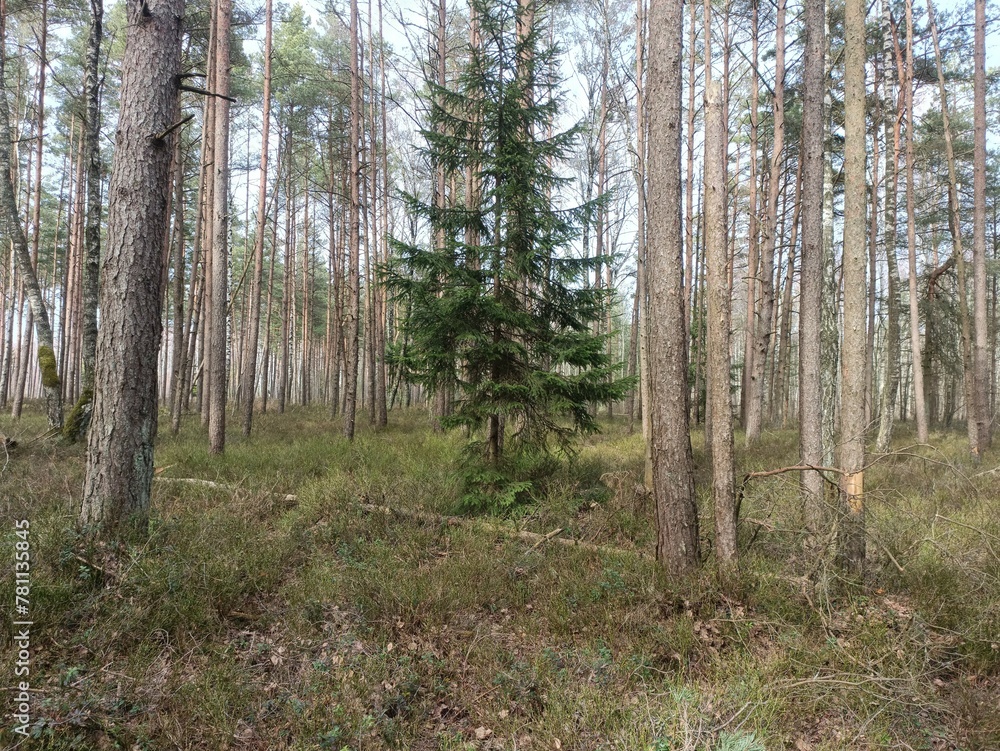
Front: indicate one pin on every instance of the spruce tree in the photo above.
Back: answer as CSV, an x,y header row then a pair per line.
x,y
500,309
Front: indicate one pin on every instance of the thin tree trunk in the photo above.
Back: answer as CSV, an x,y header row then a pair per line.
x,y
51,385
891,124
811,266
955,226
762,336
354,249
220,237
723,463
851,532
919,398
250,368
982,355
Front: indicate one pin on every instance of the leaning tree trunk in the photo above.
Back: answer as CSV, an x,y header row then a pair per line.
x,y
120,442
51,385
673,464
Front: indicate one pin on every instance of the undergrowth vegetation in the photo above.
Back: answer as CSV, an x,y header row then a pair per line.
x,y
318,594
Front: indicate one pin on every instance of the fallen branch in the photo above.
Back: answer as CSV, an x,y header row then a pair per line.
x,y
456,521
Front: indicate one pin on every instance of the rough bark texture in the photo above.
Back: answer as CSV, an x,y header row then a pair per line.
x,y
982,356
720,402
12,229
762,333
919,402
955,228
353,243
92,230
120,441
890,115
218,361
810,414
851,532
253,338
673,466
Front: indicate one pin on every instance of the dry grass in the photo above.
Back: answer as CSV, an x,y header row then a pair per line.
x,y
249,621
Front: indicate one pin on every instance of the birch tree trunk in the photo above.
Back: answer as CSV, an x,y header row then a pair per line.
x,y
120,442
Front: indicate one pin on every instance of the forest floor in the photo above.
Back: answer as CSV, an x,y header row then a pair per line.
x,y
285,610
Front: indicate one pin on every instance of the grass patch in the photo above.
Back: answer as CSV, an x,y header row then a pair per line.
x,y
251,620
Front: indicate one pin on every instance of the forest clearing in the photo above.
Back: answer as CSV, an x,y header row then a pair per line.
x,y
288,613
500,374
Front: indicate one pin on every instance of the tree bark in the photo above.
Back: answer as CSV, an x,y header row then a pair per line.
x,y
762,335
720,401
982,355
51,385
353,244
851,532
220,237
919,401
891,124
811,268
673,465
120,442
253,338
955,227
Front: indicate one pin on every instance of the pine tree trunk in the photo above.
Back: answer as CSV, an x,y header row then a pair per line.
x,y
891,120
218,381
723,466
982,356
253,338
120,442
955,227
851,532
762,335
673,465
811,265
353,244
919,398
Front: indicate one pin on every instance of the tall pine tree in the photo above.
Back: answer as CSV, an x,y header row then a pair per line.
x,y
500,310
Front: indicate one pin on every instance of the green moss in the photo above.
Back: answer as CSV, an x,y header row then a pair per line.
x,y
76,423
47,364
